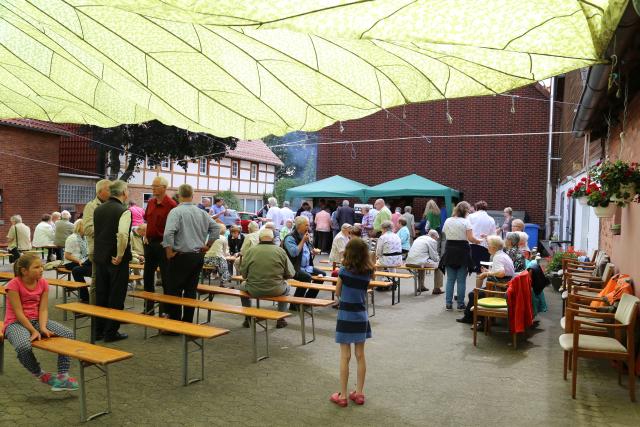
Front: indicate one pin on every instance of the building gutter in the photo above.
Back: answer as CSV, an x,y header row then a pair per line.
x,y
596,87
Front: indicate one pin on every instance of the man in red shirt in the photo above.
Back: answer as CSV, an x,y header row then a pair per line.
x,y
158,209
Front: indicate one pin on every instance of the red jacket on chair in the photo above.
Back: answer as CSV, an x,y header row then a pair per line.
x,y
519,302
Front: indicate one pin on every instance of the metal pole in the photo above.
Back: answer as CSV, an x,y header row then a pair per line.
x,y
547,227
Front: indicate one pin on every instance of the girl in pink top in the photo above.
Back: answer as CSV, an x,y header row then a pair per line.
x,y
27,319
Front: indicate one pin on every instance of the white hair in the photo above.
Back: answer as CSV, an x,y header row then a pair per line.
x,y
523,236
398,209
117,188
65,215
101,184
386,225
162,180
16,218
253,227
345,203
434,234
345,226
55,215
495,242
273,202
301,220
285,203
407,209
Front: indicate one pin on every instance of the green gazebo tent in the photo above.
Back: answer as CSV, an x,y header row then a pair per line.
x,y
335,186
413,185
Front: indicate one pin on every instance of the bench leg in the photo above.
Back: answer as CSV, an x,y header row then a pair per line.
x,y
82,385
254,323
64,300
199,343
1,356
302,310
416,291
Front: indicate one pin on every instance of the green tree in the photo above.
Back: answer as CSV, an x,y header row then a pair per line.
x,y
156,142
230,200
282,185
299,157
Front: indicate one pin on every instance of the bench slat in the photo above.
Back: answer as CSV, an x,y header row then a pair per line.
x,y
54,282
238,293
213,306
372,283
86,352
160,323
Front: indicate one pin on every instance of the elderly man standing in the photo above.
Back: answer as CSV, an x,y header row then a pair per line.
x,y
112,225
384,214
424,253
411,222
158,209
300,253
345,214
286,212
265,270
275,215
340,244
102,195
188,235
64,229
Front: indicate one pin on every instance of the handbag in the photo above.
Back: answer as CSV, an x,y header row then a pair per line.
x,y
14,253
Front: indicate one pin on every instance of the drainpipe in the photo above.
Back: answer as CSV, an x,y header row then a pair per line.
x,y
547,225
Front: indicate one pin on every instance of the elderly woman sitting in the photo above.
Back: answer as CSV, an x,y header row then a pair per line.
x,y
523,245
511,244
501,270
77,257
389,247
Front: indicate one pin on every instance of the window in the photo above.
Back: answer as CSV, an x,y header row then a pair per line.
x,y
145,199
250,205
165,164
254,172
203,166
234,169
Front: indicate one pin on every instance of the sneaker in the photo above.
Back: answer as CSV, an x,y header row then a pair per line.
x,y
461,307
464,320
62,384
46,378
245,324
449,307
281,323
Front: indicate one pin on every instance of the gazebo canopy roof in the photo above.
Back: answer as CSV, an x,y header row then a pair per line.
x,y
411,185
335,186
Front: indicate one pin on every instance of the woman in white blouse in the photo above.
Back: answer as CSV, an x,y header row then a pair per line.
x,y
456,261
77,257
43,235
389,247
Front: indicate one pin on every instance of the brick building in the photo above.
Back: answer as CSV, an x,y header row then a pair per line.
x,y
29,153
504,171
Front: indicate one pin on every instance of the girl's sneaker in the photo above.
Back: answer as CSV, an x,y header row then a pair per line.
x,y
62,384
46,378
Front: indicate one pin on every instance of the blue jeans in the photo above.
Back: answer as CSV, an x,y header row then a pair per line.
x,y
453,275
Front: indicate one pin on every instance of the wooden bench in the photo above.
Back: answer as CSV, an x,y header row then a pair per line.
x,y
372,285
87,355
68,287
189,331
414,273
257,316
305,305
332,289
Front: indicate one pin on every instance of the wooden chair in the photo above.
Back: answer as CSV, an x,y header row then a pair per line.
x,y
581,343
493,305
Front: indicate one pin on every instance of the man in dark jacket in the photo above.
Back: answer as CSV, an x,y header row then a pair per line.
x,y
345,214
112,224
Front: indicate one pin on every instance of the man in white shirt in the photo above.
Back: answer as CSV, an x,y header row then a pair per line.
x,y
424,253
275,216
483,225
340,243
286,212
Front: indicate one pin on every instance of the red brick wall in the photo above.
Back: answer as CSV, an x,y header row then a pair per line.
x,y
29,188
504,171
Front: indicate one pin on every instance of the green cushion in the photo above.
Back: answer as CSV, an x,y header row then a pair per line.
x,y
492,302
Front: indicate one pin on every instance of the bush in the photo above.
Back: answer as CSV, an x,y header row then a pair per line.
x,y
230,200
555,263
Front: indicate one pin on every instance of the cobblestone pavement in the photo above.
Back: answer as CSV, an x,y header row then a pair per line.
x,y
422,370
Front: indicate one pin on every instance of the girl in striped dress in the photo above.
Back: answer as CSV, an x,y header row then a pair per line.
x,y
353,321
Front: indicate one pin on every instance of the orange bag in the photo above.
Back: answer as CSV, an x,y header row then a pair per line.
x,y
614,290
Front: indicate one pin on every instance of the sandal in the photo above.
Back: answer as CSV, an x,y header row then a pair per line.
x,y
358,398
335,398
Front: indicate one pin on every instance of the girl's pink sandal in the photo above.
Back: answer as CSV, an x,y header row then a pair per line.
x,y
358,398
335,398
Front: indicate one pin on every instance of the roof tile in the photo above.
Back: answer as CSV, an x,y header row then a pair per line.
x,y
36,125
255,150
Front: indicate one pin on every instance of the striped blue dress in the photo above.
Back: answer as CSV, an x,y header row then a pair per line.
x,y
353,321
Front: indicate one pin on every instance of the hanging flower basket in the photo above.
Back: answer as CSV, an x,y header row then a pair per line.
x,y
605,211
626,192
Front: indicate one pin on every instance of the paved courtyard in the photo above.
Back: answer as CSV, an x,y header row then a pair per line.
x,y
422,370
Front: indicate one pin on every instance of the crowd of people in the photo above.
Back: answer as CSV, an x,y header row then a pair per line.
x,y
180,237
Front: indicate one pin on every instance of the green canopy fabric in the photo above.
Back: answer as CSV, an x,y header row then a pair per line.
x,y
413,185
335,186
252,68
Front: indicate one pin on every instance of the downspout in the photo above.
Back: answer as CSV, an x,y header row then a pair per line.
x,y
547,225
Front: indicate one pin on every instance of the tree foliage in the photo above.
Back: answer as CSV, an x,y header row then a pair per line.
x,y
282,185
230,200
156,141
299,157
